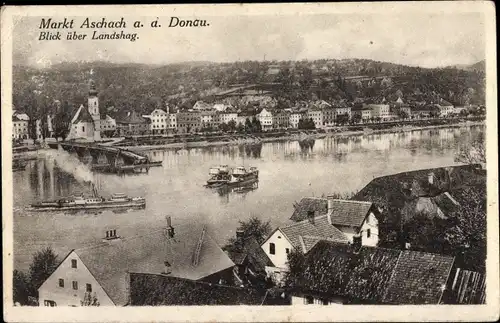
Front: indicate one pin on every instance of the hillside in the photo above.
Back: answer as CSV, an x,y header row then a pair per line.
x,y
145,87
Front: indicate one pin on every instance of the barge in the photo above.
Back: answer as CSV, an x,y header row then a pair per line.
x,y
226,176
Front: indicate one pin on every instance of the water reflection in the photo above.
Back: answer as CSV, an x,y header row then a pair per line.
x,y
288,171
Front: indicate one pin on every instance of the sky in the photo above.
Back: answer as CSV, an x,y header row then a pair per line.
x,y
418,39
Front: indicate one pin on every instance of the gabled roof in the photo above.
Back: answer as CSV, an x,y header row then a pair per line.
x,y
82,115
110,261
418,278
316,227
133,118
237,257
373,275
157,290
349,213
306,204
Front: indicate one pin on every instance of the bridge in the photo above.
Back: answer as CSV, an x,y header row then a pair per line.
x,y
100,156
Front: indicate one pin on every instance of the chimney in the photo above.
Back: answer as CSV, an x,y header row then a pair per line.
x,y
169,230
330,203
356,243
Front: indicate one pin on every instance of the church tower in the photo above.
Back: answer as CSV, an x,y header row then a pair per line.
x,y
93,107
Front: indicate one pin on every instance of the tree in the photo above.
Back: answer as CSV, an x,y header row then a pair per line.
x,y
223,127
22,288
356,118
248,125
240,128
90,300
473,152
251,228
231,125
296,261
43,265
343,118
256,126
403,115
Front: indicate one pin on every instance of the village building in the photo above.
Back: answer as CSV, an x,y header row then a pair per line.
x,y
250,260
356,274
379,111
316,115
210,119
159,121
318,219
188,121
445,108
44,128
228,115
108,125
133,125
281,119
296,116
103,270
202,106
172,122
266,119
20,122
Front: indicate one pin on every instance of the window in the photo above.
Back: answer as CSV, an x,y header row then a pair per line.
x,y
368,233
75,285
83,129
272,248
61,282
287,250
49,303
88,288
73,263
309,300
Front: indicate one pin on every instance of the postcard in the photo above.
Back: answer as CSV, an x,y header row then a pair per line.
x,y
250,162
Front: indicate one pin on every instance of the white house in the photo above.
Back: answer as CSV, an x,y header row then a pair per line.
x,y
378,110
20,123
159,121
445,108
340,220
228,116
108,124
266,119
103,270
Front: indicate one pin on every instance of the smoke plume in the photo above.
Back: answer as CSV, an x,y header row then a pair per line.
x,y
71,164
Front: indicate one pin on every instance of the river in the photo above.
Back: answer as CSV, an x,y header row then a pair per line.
x,y
289,170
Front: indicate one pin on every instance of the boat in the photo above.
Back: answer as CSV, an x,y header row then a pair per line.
x,y
226,176
80,202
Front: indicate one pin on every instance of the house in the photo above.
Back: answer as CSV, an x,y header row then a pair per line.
x,y
188,121
250,260
20,122
108,124
433,193
379,111
103,269
281,119
353,218
210,119
265,118
228,115
336,273
445,108
159,121
133,124
201,106
316,115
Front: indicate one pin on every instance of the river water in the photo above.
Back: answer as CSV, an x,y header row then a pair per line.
x,y
289,170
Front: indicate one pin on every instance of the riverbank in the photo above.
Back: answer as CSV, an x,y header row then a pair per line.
x,y
338,132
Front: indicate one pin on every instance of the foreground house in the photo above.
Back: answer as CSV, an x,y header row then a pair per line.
x,y
330,219
334,273
435,192
103,270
